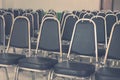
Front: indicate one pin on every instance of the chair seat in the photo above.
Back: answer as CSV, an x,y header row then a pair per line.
x,y
37,63
10,59
108,74
74,69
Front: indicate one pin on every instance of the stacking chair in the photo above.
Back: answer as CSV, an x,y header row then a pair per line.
x,y
9,18
19,38
2,34
94,12
111,71
101,34
118,15
36,23
88,15
49,39
82,14
41,14
101,13
16,12
30,17
63,18
68,26
110,20
83,43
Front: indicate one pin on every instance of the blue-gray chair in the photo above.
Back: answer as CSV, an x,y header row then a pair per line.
x,y
83,43
49,39
19,38
111,71
101,34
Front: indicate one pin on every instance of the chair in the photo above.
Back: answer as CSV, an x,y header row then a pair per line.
x,y
111,72
9,18
65,13
118,15
88,15
19,38
101,34
82,14
101,14
2,33
49,39
81,44
30,17
68,26
41,14
110,20
36,23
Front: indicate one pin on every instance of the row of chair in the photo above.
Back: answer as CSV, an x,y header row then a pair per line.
x,y
83,43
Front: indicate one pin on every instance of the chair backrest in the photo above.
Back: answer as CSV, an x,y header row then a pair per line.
x,y
118,15
16,12
30,17
113,49
49,37
2,31
88,15
63,18
110,20
101,14
101,29
36,20
41,14
9,18
20,34
68,26
82,14
84,39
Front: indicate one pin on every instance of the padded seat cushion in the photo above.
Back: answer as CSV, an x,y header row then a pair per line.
x,y
74,69
37,63
108,74
10,59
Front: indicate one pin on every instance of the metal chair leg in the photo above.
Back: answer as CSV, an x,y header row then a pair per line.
x,y
33,75
6,72
16,73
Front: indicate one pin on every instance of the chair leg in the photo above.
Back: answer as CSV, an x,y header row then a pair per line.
x,y
33,75
51,75
16,73
6,72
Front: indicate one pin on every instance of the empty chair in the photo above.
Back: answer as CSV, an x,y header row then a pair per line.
x,y
63,18
88,15
36,23
30,17
16,12
41,14
2,33
110,20
67,31
81,44
118,15
111,72
94,12
49,39
9,18
101,34
101,13
19,38
82,14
